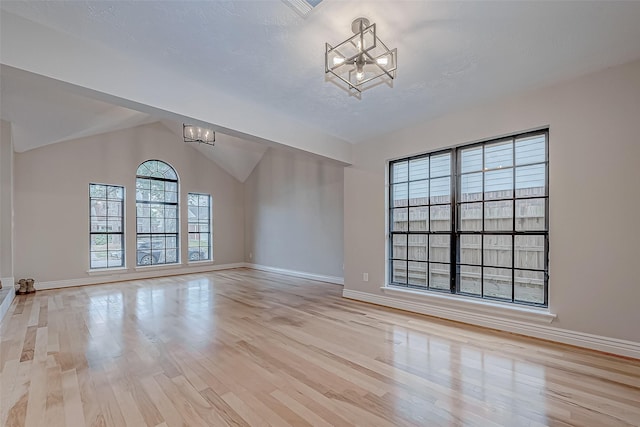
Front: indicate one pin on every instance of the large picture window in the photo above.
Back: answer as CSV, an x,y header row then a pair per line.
x,y
199,211
473,220
106,226
157,214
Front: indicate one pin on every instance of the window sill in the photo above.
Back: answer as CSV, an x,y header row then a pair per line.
x,y
472,305
202,262
158,266
106,271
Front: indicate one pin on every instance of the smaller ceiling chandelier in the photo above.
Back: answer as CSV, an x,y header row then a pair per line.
x,y
198,134
362,58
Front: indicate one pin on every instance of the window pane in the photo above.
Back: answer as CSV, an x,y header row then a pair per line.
x,y
205,200
498,155
419,218
469,279
471,159
529,286
399,273
440,217
471,187
192,199
440,190
171,186
418,274
171,225
400,172
440,165
497,282
98,242
418,247
115,259
171,242
497,250
98,223
400,219
114,209
171,197
171,255
114,225
529,252
157,185
498,184
115,192
470,217
530,181
530,214
98,191
98,207
470,249
171,211
419,169
194,254
144,225
439,248
530,150
498,215
418,193
203,213
400,195
399,246
115,242
439,276
98,259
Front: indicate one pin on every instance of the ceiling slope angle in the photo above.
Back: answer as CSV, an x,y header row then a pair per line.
x,y
257,67
43,111
142,85
238,157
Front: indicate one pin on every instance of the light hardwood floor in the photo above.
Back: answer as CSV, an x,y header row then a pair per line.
x,y
248,348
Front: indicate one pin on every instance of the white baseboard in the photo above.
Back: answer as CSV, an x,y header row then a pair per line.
x,y
319,277
531,329
7,294
144,274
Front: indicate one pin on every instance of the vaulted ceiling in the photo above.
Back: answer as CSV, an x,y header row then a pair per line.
x,y
254,70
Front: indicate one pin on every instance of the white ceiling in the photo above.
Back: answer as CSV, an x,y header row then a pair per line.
x,y
451,55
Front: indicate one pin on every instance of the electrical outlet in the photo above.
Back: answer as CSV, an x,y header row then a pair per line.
x,y
365,277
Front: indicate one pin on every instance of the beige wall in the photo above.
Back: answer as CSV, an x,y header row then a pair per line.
x,y
294,214
51,198
6,202
594,152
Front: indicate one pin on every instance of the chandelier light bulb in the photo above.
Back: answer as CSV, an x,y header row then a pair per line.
x,y
337,60
384,61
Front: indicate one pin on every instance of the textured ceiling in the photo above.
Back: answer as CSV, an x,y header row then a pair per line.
x,y
452,55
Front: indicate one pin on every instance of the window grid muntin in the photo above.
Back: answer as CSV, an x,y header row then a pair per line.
x,y
198,221
455,217
93,187
157,236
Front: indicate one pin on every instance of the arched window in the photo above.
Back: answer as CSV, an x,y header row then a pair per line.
x,y
156,214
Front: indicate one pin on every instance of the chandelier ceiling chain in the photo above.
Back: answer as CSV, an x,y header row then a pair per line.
x,y
362,58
